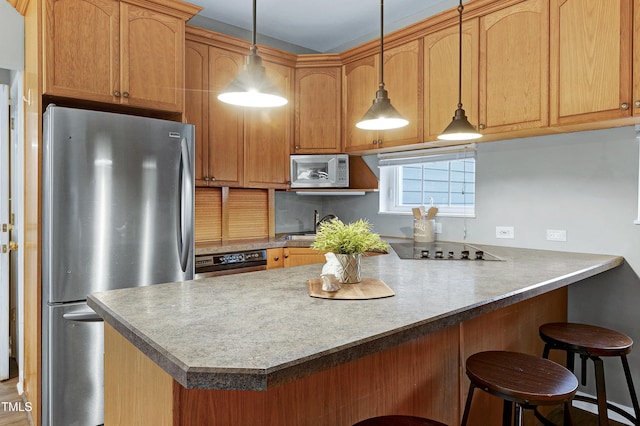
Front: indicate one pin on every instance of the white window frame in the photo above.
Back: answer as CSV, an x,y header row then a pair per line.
x,y
390,181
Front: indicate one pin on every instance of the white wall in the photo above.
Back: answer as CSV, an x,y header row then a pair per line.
x,y
11,37
585,183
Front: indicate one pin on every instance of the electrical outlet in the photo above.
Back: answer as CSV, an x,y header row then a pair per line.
x,y
504,232
438,229
556,235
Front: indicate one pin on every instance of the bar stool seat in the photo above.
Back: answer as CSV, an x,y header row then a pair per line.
x,y
523,381
592,342
398,421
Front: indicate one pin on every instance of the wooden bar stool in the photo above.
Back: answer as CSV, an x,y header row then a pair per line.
x,y
523,381
592,342
398,421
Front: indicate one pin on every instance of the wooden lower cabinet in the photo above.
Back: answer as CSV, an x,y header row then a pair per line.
x,y
275,258
424,376
296,256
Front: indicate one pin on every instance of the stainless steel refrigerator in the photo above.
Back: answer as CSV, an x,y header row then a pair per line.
x,y
117,212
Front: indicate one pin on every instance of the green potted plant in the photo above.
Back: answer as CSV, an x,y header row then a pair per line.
x,y
348,242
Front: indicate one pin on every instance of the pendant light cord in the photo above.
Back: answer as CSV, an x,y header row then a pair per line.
x,y
253,47
381,82
460,9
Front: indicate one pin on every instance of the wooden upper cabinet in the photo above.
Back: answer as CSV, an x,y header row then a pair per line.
x,y
403,76
403,81
359,85
82,58
441,62
514,68
196,106
636,59
591,59
152,58
225,122
116,52
268,135
317,110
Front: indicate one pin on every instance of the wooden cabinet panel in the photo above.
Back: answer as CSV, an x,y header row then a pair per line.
x,y
208,214
196,106
441,61
317,112
359,85
514,64
247,214
636,59
267,136
403,80
115,52
82,49
296,256
591,54
225,122
152,56
275,258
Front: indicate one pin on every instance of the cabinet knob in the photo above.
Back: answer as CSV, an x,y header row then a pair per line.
x,y
206,178
212,178
481,126
286,256
637,103
297,146
125,94
276,258
624,106
116,93
374,142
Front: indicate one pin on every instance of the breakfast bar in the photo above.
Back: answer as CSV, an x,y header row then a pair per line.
x,y
256,349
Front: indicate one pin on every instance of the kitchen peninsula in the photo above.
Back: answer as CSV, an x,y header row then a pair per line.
x,y
255,349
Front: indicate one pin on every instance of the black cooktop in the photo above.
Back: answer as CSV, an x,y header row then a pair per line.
x,y
441,250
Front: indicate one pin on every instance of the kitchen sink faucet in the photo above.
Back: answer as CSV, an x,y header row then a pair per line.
x,y
325,218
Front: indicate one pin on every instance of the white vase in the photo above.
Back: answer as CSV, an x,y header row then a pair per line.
x,y
350,263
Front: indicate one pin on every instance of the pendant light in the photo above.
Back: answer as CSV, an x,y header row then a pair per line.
x,y
252,87
382,115
460,129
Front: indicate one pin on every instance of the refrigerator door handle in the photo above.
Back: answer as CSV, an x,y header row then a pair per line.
x,y
186,199
82,316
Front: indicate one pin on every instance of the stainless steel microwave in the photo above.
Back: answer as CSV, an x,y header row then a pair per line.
x,y
320,171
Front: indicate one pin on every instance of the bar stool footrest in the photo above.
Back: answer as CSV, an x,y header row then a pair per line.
x,y
616,409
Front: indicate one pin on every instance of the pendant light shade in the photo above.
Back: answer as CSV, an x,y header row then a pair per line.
x,y
460,129
382,115
252,87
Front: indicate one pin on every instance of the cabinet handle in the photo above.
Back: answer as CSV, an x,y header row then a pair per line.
x,y
116,93
297,146
481,126
276,258
206,178
125,94
624,106
637,103
286,256
212,178
374,142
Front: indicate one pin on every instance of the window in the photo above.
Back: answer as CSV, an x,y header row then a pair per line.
x,y
431,177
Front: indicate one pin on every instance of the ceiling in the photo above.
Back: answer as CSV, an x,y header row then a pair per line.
x,y
311,25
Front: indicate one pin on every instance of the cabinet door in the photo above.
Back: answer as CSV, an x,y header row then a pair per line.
x,y
226,131
152,55
196,106
403,80
360,82
636,59
268,135
81,49
441,61
317,112
514,68
591,42
275,258
296,256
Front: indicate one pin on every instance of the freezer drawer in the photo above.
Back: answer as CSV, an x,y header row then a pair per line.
x,y
73,372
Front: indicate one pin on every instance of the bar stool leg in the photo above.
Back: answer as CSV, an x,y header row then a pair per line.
x,y
603,417
632,390
518,415
467,405
568,419
507,408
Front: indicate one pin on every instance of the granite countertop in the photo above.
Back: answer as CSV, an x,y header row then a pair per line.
x,y
256,330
